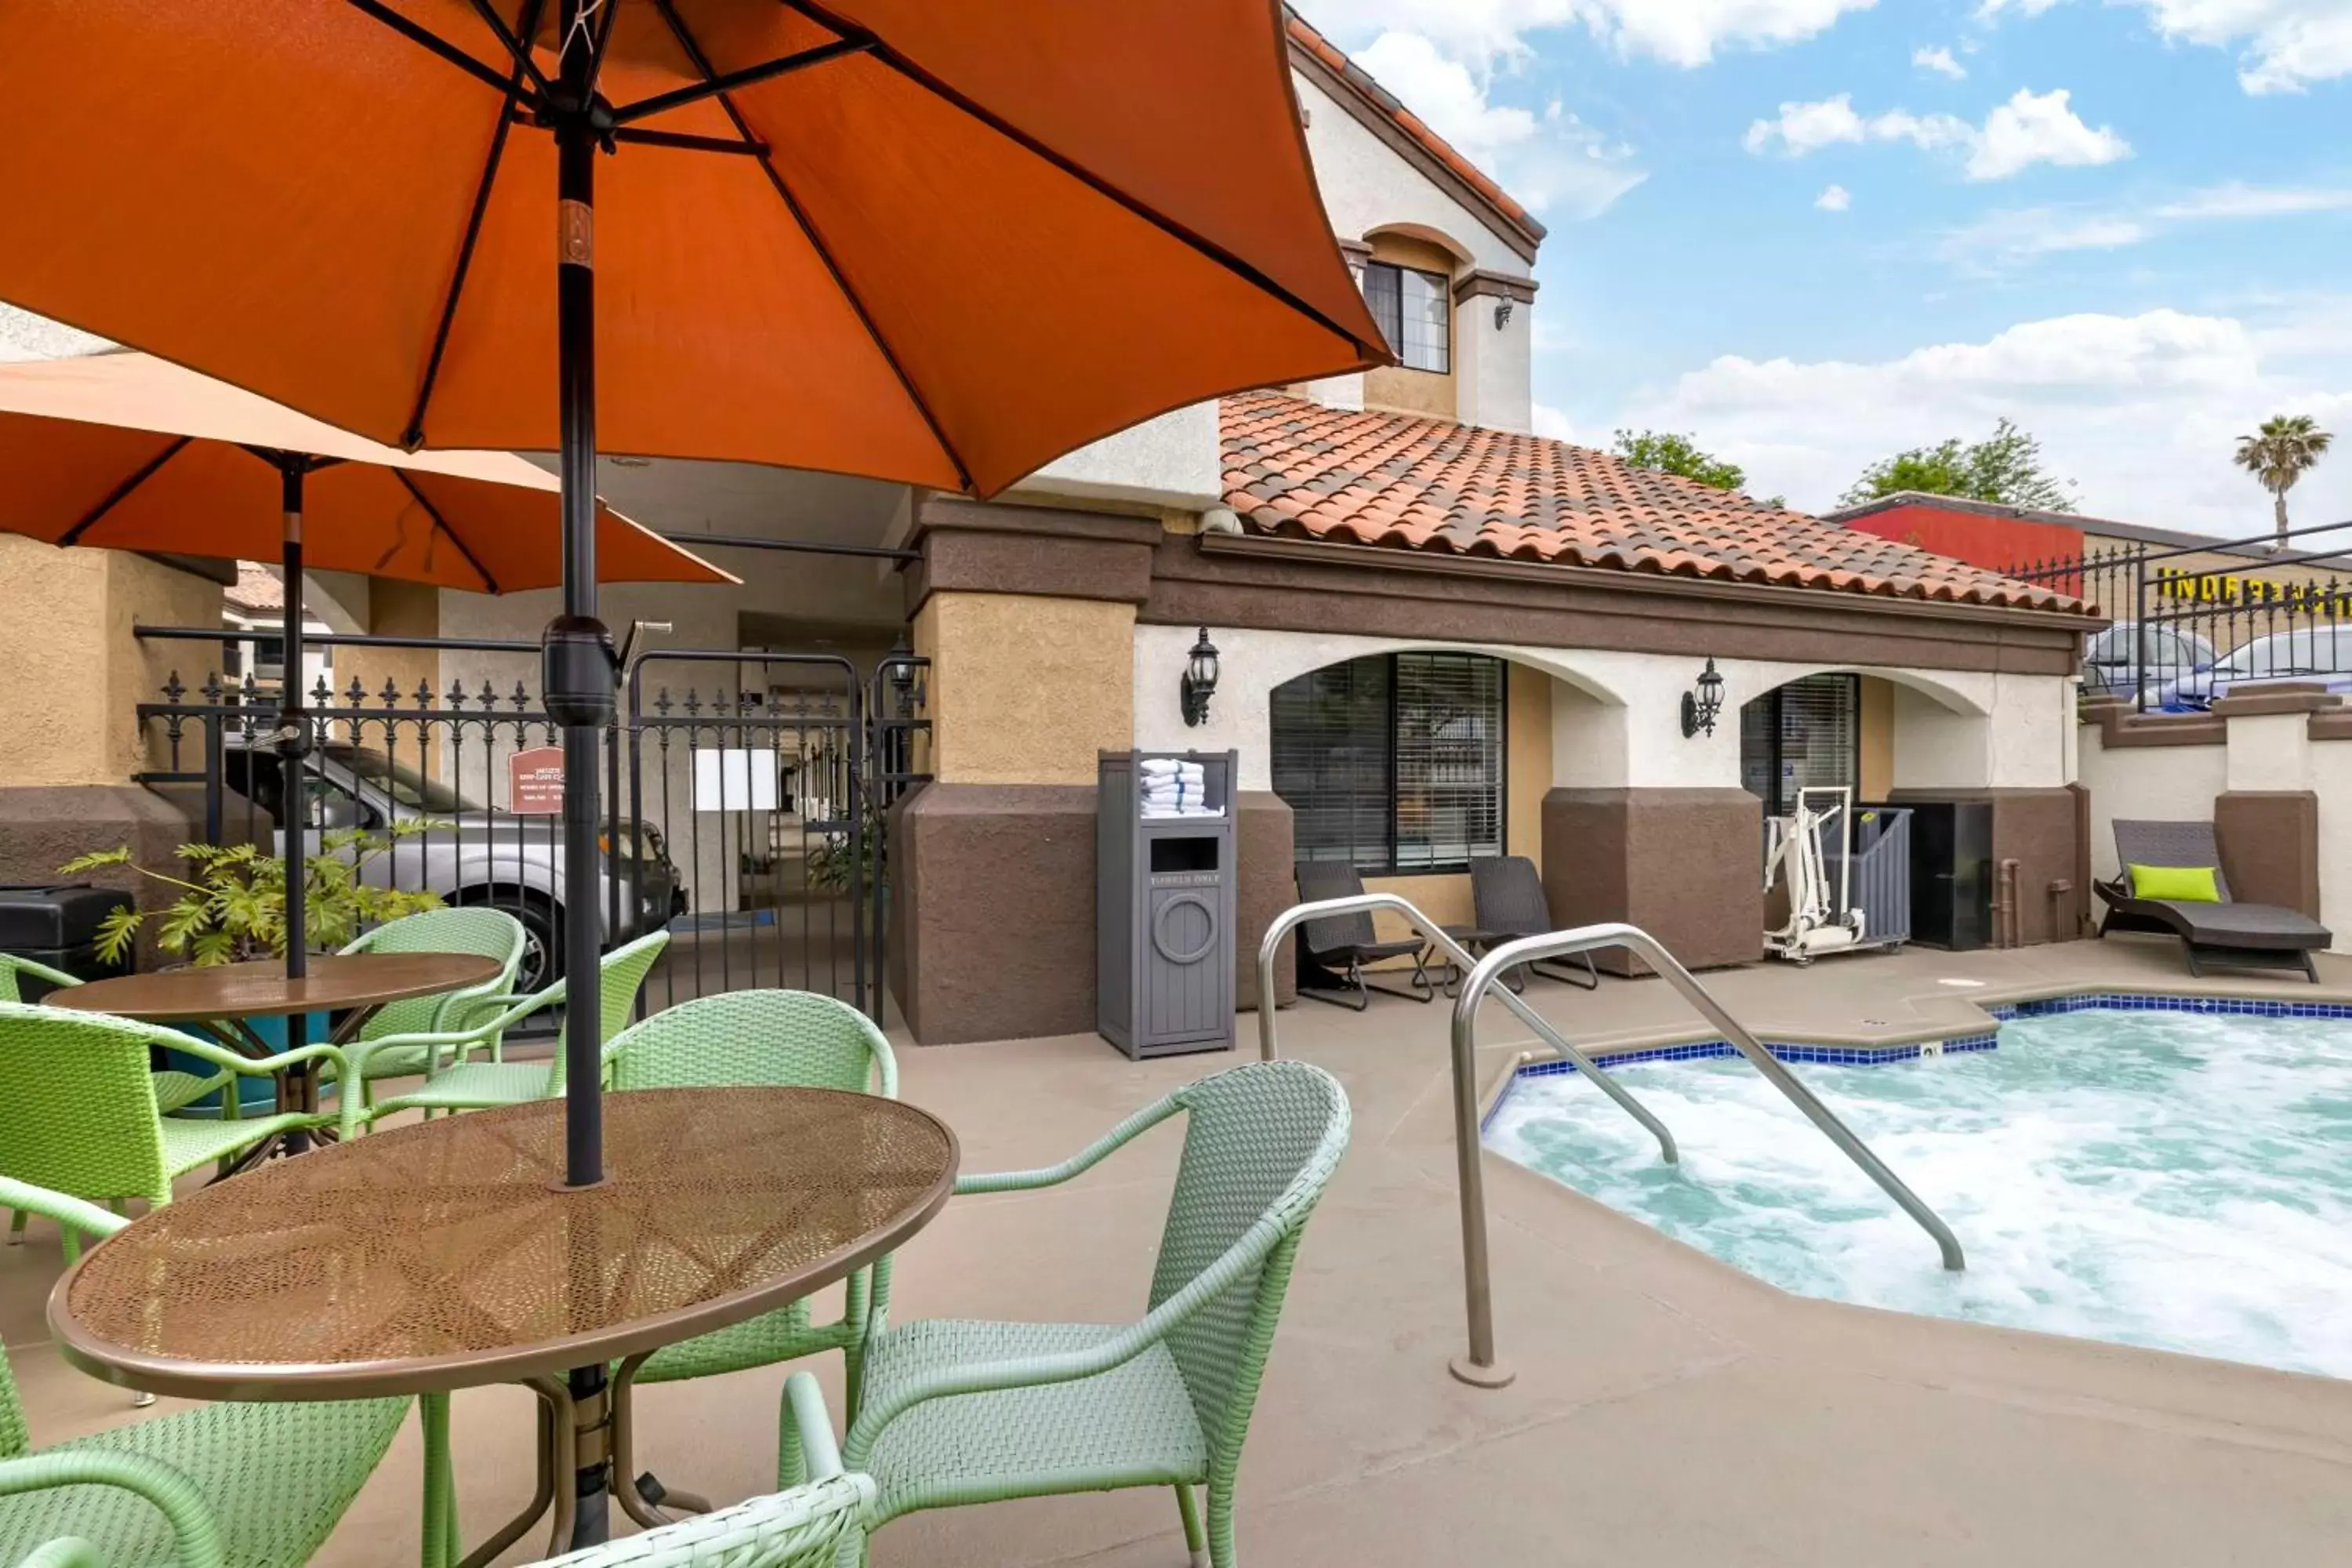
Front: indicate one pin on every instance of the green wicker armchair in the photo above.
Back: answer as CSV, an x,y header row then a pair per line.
x,y
452,1082
224,1486
961,1413
485,933
174,1089
78,1113
790,1038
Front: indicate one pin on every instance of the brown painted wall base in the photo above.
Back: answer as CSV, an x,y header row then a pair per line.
x,y
2040,830
1262,844
1682,864
2270,846
42,828
994,909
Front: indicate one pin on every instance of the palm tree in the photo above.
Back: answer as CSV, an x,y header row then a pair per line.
x,y
2285,451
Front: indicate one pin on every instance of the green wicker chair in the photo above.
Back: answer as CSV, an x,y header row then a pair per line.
x,y
78,1113
224,1486
790,1038
456,1083
174,1089
485,933
961,1413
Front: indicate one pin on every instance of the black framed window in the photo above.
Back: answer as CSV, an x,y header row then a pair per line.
x,y
1415,311
1394,762
1803,735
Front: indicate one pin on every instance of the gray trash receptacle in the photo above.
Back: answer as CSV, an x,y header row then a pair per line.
x,y
1881,885
1164,910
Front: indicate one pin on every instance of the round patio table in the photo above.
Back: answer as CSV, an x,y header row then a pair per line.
x,y
223,997
448,1255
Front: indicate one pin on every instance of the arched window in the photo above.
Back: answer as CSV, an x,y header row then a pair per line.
x,y
1415,312
1394,762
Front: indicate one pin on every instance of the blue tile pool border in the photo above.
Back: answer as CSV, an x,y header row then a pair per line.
x,y
1879,1056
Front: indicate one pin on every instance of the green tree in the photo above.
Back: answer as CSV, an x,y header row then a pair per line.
x,y
2005,466
1669,453
2289,445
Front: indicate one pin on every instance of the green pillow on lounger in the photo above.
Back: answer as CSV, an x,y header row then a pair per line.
x,y
2181,884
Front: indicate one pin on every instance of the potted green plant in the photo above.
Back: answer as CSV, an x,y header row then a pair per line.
x,y
230,906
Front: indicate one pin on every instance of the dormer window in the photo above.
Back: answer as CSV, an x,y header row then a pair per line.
x,y
1415,310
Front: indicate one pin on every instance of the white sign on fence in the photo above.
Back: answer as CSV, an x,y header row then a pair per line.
x,y
734,780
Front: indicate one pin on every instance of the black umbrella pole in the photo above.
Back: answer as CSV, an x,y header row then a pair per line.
x,y
293,798
578,683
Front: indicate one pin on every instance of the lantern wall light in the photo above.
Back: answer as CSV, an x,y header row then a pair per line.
x,y
1701,706
1200,681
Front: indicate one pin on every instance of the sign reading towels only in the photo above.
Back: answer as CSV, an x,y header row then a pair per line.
x,y
535,782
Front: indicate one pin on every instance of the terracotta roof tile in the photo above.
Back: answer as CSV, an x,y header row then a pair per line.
x,y
1398,481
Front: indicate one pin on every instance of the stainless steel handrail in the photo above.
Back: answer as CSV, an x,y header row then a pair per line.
x,y
1481,1367
1298,914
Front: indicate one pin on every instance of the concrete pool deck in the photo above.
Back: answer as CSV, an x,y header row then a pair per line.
x,y
1668,1411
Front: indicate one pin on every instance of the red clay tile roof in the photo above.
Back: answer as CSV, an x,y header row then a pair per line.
x,y
1398,481
1412,124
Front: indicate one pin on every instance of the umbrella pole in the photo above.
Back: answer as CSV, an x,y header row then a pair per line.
x,y
578,679
293,744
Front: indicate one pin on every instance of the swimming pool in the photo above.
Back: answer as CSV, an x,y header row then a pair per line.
x,y
2179,1180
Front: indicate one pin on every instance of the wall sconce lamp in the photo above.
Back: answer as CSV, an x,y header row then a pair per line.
x,y
1701,706
1200,682
1501,315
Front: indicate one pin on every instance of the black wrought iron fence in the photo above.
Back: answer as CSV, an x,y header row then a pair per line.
x,y
2192,622
743,797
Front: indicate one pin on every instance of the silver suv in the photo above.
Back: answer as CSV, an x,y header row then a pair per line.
x,y
480,855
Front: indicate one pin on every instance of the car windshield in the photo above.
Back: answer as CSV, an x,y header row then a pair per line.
x,y
401,782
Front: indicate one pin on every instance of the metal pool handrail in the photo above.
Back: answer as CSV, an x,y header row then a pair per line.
x,y
1480,1368
1298,914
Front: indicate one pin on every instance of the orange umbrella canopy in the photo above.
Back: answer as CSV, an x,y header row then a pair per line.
x,y
126,452
940,241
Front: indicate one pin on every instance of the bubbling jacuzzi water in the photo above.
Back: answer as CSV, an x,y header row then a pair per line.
x,y
2173,1180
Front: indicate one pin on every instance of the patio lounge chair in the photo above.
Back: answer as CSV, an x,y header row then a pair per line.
x,y
786,1038
1509,896
78,1113
961,1413
485,933
2258,935
457,1084
224,1485
1333,951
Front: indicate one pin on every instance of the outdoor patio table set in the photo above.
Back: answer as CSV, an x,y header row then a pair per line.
x,y
803,264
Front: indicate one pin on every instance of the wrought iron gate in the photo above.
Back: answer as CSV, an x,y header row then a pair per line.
x,y
744,799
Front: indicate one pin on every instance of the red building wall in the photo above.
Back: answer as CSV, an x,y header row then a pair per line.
x,y
1993,543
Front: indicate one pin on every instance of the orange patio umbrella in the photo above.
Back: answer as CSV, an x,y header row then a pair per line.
x,y
938,241
126,452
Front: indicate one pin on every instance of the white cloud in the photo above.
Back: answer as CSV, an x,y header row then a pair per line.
x,y
2028,128
1682,32
1834,199
2283,46
24,335
1939,61
1549,160
2008,239
2142,410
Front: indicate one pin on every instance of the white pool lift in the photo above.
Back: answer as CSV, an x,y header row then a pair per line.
x,y
1820,919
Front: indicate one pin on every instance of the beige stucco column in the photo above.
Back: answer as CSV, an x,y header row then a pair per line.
x,y
69,703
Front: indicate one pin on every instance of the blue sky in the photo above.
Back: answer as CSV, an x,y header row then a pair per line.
x,y
1813,232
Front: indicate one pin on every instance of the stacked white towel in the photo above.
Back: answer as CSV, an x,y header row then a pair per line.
x,y
1174,787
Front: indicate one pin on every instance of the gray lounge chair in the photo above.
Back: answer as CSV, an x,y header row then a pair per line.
x,y
1508,893
2266,936
1333,952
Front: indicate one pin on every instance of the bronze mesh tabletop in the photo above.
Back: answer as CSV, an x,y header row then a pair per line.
x,y
260,989
446,1254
